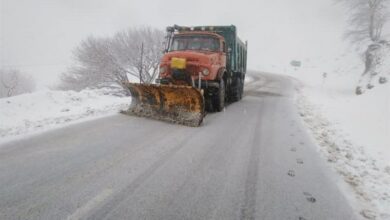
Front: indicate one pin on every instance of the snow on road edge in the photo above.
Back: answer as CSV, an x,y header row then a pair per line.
x,y
369,182
34,113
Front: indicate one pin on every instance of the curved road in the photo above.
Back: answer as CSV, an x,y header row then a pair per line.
x,y
252,161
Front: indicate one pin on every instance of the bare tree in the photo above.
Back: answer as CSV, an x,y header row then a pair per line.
x,y
9,81
367,20
104,62
13,82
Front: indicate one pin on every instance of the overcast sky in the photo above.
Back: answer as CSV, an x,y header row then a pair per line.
x,y
37,36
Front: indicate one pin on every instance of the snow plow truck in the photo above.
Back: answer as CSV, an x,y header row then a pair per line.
x,y
202,68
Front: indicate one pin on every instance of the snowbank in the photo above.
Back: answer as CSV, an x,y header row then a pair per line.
x,y
43,110
353,132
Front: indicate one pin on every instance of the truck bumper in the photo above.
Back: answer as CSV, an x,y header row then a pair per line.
x,y
204,84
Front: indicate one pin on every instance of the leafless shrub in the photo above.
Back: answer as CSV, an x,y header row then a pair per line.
x,y
108,62
367,20
13,82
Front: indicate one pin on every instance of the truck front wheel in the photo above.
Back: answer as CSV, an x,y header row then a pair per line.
x,y
219,97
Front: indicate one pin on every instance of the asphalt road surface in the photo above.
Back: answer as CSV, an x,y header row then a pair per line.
x,y
255,160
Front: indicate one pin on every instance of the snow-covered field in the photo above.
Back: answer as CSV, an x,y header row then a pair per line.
x,y
43,110
353,132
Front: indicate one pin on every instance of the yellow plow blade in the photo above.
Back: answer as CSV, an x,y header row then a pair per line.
x,y
176,104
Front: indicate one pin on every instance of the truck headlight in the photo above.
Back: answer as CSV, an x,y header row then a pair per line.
x,y
205,72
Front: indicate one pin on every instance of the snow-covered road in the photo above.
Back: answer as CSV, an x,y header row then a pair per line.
x,y
255,160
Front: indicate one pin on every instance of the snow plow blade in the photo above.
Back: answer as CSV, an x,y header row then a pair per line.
x,y
176,104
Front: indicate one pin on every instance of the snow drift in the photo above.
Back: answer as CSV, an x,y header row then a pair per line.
x,y
43,110
352,131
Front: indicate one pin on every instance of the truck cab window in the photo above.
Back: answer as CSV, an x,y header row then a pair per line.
x,y
193,42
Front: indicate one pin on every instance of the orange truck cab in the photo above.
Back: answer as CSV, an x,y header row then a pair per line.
x,y
211,58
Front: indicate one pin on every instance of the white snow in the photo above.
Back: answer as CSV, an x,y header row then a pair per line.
x,y
39,111
248,79
33,113
353,132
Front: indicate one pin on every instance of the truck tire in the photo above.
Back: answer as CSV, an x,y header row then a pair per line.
x,y
219,98
209,104
236,91
242,87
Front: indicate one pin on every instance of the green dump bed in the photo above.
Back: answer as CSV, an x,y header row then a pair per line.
x,y
238,50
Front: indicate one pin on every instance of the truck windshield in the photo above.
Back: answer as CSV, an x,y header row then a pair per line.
x,y
199,42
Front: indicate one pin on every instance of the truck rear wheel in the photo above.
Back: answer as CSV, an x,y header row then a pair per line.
x,y
219,98
236,90
242,86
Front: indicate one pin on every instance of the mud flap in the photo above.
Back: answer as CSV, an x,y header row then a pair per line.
x,y
177,104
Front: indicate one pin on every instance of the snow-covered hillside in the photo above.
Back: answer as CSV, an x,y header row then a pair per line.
x,y
43,110
353,132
